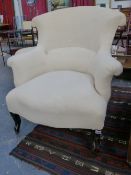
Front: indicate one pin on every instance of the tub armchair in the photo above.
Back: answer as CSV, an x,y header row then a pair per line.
x,y
65,81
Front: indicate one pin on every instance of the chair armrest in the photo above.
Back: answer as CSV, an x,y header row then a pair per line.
x,y
27,65
109,65
106,67
23,50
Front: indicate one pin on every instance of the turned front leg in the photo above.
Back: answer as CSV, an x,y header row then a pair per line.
x,y
17,121
96,139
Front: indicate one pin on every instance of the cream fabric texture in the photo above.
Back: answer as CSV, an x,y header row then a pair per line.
x,y
59,99
65,81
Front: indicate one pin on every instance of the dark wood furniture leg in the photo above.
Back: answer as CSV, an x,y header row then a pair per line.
x,y
129,151
96,139
2,53
17,121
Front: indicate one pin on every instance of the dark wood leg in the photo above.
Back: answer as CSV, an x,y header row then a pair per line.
x,y
129,151
17,121
96,139
2,54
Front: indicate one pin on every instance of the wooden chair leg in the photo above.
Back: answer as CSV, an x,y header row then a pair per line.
x,y
96,139
17,121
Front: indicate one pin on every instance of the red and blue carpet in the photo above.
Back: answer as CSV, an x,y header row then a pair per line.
x,y
67,152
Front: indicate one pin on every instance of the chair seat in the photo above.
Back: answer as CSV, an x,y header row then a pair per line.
x,y
63,99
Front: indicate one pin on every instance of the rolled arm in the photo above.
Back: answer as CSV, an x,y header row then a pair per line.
x,y
109,65
26,49
106,67
27,65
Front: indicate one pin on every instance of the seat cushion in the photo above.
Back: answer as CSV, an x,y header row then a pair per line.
x,y
64,99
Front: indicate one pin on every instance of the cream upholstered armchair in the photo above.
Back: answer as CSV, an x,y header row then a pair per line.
x,y
65,81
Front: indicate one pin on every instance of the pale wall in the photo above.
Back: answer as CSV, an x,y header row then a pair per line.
x,y
114,3
123,3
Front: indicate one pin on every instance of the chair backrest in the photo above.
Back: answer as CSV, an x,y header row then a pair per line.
x,y
27,25
86,27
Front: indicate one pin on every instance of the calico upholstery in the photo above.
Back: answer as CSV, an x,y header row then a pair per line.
x,y
65,81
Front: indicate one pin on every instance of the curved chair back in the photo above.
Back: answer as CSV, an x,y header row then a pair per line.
x,y
84,27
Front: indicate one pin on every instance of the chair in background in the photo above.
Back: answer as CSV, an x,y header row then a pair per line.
x,y
65,81
27,25
21,38
119,36
129,35
14,41
3,39
1,51
126,36
29,34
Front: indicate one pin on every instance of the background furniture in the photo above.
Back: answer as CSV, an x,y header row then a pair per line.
x,y
119,36
1,51
30,33
129,35
126,62
13,40
5,26
123,34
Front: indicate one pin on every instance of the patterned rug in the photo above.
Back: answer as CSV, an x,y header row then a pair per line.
x,y
67,152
